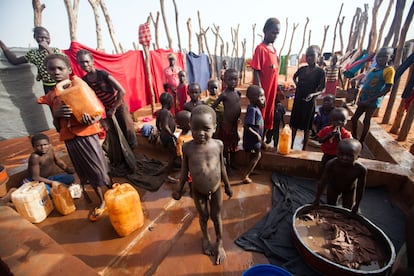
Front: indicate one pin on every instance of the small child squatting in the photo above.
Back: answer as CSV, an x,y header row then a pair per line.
x,y
203,158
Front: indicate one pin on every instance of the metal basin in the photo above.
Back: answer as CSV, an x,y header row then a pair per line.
x,y
329,267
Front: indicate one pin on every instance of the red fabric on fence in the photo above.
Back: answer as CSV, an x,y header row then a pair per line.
x,y
128,68
159,60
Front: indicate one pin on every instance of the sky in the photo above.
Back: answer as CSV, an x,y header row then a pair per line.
x,y
16,19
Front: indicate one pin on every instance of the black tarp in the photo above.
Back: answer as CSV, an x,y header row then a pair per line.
x,y
272,234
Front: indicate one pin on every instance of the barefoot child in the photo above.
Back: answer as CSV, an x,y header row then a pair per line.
x,y
81,138
344,176
231,102
253,128
377,83
203,158
309,81
212,88
166,126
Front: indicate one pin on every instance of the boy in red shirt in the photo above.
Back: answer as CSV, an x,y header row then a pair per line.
x,y
330,136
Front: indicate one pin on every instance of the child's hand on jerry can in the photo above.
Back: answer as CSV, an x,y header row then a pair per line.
x,y
63,111
88,119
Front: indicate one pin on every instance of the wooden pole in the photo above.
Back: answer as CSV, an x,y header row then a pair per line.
x,y
290,45
303,37
38,9
176,25
164,18
147,58
384,20
156,23
336,25
397,62
284,40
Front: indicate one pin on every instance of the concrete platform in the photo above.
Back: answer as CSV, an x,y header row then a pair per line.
x,y
170,240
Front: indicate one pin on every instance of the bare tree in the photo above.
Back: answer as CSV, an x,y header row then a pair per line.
x,y
395,25
373,35
341,37
325,32
95,8
190,33
397,62
176,25
336,26
303,36
291,41
164,18
384,21
354,30
200,34
72,11
156,23
254,38
284,38
117,45
38,9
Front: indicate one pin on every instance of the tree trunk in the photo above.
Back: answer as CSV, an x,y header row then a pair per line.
x,y
156,24
364,22
303,37
398,118
37,10
190,33
290,45
115,42
397,61
373,35
284,40
72,12
243,70
395,25
384,21
354,30
406,126
341,37
325,32
176,25
164,18
336,26
95,8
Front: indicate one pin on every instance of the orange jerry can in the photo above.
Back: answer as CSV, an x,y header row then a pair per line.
x,y
285,139
62,199
80,97
124,208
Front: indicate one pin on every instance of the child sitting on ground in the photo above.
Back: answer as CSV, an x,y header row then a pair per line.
x,y
231,101
166,127
344,175
330,136
253,128
81,137
212,88
323,116
42,166
194,92
203,159
42,162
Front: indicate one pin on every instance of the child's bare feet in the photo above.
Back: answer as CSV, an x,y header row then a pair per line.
x,y
208,249
221,255
246,180
96,214
176,195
